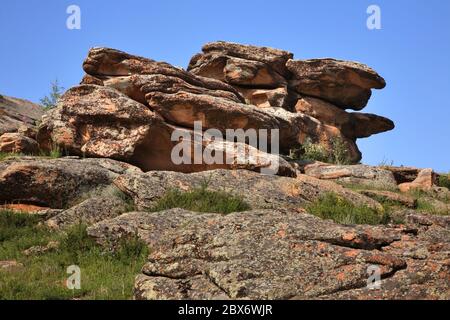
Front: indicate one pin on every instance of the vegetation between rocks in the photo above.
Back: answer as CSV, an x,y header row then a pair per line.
x,y
331,206
444,181
201,199
311,151
104,275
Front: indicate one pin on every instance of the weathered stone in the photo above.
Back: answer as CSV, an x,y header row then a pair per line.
x,y
403,174
343,83
30,132
240,254
98,121
138,86
352,125
237,71
266,191
88,212
18,143
265,98
38,250
16,112
427,275
104,62
266,254
407,201
425,181
56,183
274,58
353,174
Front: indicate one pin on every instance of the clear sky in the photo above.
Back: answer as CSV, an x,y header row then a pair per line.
x,y
411,51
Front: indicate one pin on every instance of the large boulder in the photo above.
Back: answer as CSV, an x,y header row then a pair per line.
x,y
352,125
56,183
353,174
278,254
270,58
106,62
18,143
99,121
346,84
16,112
425,181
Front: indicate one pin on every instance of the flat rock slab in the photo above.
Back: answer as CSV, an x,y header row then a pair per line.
x,y
353,174
277,254
267,191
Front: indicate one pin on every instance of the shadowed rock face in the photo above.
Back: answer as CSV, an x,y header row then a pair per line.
x,y
343,83
97,121
16,112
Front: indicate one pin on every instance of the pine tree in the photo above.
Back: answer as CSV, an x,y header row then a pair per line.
x,y
50,101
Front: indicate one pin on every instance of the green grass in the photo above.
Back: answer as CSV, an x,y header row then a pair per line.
x,y
104,275
331,206
444,181
5,155
54,153
201,200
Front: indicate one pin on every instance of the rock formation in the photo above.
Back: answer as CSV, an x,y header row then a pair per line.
x,y
127,107
15,113
117,129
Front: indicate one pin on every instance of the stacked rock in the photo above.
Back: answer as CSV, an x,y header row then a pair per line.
x,y
127,107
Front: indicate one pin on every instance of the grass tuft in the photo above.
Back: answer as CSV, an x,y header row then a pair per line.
x,y
104,275
331,206
201,200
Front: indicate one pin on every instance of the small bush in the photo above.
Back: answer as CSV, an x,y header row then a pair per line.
x,y
309,151
444,181
330,206
5,155
314,151
201,200
339,152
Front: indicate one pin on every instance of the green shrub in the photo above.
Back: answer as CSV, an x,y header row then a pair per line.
x,y
5,155
331,206
444,181
201,200
339,152
309,151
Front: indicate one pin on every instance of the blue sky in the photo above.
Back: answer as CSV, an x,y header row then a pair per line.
x,y
411,51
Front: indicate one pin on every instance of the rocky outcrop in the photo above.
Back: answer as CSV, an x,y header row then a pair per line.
x,y
346,84
128,107
266,191
274,254
353,174
269,78
403,174
57,183
88,212
18,143
15,113
353,125
425,181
